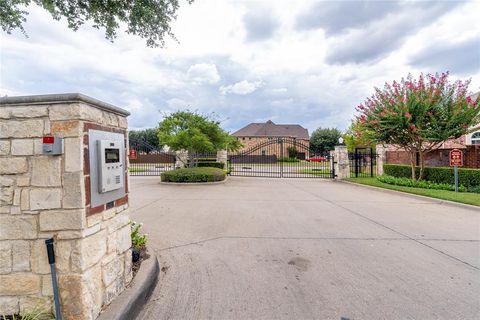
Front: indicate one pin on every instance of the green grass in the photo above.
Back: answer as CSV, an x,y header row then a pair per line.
x,y
462,197
319,172
136,170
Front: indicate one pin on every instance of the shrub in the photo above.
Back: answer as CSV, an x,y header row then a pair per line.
x,y
196,174
211,164
292,152
406,182
467,177
138,240
288,159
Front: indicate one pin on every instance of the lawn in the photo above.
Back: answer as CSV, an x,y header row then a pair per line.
x,y
462,197
136,169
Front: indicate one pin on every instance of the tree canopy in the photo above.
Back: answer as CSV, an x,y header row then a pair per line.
x,y
146,135
193,132
148,19
324,139
418,114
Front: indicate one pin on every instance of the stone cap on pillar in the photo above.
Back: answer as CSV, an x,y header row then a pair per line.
x,y
62,98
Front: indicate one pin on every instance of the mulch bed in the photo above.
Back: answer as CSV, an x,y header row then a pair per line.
x,y
143,256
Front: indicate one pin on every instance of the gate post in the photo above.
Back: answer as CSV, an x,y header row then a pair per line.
x,y
342,164
181,159
222,156
381,158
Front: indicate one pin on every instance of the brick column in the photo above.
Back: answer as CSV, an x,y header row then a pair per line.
x,y
44,196
342,164
381,158
222,156
181,159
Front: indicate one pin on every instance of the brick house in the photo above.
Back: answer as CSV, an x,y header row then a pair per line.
x,y
469,144
256,135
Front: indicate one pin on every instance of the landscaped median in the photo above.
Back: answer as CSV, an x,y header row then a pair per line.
x,y
194,175
461,197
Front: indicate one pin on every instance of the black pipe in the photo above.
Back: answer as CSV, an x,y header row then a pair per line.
x,y
51,261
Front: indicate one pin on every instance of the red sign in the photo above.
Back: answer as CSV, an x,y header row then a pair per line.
x,y
132,154
48,140
456,158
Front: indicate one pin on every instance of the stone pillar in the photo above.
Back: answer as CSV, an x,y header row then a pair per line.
x,y
44,196
222,156
181,159
381,158
342,164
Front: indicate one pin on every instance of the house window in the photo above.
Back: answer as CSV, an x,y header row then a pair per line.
x,y
243,138
249,138
476,138
263,152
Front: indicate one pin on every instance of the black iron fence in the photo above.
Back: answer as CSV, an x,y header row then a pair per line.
x,y
146,160
363,163
280,158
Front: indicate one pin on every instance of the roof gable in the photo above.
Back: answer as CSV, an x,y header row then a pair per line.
x,y
270,129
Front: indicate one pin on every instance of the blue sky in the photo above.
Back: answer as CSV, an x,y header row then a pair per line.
x,y
305,62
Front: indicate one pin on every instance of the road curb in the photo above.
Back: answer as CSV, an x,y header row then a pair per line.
x,y
130,302
417,196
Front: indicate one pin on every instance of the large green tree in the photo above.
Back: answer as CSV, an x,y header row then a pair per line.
x,y
418,114
149,19
324,139
195,133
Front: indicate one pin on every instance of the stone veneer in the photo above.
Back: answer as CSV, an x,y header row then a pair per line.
x,y
45,196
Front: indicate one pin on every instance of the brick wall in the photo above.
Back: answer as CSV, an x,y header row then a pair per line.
x,y
437,158
44,196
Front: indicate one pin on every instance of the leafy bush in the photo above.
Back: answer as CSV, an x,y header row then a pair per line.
x,y
287,159
406,182
36,314
211,164
292,152
474,189
467,177
138,240
197,174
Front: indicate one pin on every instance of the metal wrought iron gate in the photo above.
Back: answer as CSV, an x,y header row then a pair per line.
x,y
363,163
281,158
147,160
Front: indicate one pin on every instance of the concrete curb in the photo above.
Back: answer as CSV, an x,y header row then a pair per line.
x,y
417,196
130,302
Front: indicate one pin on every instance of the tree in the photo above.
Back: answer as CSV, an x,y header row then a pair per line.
x,y
195,133
146,135
353,139
324,139
418,115
148,19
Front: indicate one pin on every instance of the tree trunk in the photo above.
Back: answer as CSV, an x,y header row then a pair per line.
x,y
422,164
413,154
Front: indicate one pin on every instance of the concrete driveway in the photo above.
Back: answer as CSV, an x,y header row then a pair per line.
x,y
256,248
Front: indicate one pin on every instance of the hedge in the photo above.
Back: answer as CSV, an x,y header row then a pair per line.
x,y
212,164
193,175
467,177
424,184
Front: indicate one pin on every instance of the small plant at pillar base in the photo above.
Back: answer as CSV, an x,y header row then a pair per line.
x,y
138,240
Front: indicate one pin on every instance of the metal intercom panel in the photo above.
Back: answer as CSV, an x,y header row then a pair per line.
x,y
110,167
107,166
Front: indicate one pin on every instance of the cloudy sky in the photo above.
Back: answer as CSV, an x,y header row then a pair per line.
x,y
289,61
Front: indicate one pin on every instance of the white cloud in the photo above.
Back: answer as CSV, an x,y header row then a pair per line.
x,y
241,88
203,73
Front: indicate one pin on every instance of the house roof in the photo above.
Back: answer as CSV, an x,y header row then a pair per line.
x,y
270,129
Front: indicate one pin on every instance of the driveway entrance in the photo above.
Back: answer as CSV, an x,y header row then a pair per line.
x,y
307,248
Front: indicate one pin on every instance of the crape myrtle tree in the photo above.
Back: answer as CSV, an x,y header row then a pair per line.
x,y
149,19
324,139
195,133
353,139
418,115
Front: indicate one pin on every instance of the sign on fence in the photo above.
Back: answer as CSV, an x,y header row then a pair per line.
x,y
132,154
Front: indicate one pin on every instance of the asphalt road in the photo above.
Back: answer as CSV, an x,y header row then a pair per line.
x,y
256,248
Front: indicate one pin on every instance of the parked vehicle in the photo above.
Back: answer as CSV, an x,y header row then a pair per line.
x,y
317,159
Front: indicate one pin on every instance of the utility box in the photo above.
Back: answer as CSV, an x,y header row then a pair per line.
x,y
110,168
52,145
107,166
